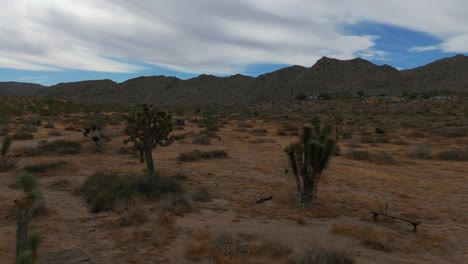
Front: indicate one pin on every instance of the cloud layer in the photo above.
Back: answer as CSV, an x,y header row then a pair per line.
x,y
210,36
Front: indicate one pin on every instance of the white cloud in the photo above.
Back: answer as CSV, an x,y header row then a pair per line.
x,y
456,44
209,36
423,48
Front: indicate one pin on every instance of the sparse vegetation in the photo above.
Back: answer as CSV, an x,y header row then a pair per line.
x,y
202,195
323,256
197,155
201,140
22,136
102,191
43,167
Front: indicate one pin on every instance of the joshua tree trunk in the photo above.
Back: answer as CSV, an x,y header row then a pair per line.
x,y
22,231
309,195
150,163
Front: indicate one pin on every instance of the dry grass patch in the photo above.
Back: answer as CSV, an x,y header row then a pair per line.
x,y
368,235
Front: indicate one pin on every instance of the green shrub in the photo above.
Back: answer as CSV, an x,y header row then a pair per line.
x,y
102,191
22,136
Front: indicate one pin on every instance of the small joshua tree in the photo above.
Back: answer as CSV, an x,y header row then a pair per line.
x,y
309,157
338,122
25,207
148,127
5,147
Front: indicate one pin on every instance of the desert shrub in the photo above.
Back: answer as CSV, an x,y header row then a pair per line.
x,y
453,154
178,136
30,128
43,167
359,155
49,125
54,133
177,204
281,133
102,191
417,134
300,96
421,151
243,124
382,139
400,141
197,155
208,133
179,176
201,140
259,131
58,147
202,195
382,157
323,256
22,136
4,129
126,150
451,133
224,247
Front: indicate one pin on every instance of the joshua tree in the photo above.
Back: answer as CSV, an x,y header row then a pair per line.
x,y
338,122
25,206
309,157
5,147
148,127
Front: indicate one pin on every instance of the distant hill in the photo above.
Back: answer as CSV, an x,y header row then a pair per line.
x,y
327,75
19,88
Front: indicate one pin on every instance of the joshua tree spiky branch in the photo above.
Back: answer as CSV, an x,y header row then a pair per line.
x,y
309,157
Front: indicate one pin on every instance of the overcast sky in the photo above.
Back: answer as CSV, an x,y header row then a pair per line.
x,y
50,41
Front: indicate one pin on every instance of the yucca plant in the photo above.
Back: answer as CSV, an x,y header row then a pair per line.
x,y
148,127
309,157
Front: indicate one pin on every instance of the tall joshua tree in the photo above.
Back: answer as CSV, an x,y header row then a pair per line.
x,y
148,127
309,157
5,147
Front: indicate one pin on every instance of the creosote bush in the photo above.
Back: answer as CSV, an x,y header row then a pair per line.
x,y
101,191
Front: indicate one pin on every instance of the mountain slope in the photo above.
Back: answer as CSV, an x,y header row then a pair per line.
x,y
19,88
327,75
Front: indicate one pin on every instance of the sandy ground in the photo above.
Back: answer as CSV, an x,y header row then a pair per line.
x,y
431,191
